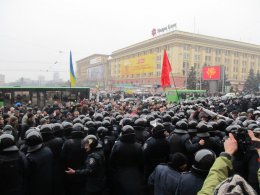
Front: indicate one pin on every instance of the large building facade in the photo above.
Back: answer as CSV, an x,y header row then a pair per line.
x,y
92,71
140,64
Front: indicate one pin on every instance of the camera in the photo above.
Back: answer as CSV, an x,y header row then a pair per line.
x,y
243,140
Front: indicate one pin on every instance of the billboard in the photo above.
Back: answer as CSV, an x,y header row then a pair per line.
x,y
95,73
211,73
138,65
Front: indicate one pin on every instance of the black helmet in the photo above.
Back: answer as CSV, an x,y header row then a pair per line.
x,y
192,126
100,131
78,127
125,121
82,116
105,113
106,124
46,129
141,122
85,120
57,128
77,120
90,124
204,159
250,110
119,118
34,141
171,113
127,131
67,125
175,119
248,122
149,118
202,130
107,118
98,124
167,118
232,128
91,140
98,117
252,126
8,129
181,127
221,124
257,112
229,121
145,111
158,129
257,130
214,125
7,143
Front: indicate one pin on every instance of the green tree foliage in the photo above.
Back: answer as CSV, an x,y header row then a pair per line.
x,y
251,84
191,80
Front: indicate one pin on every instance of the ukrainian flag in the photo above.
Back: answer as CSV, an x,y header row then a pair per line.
x,y
72,74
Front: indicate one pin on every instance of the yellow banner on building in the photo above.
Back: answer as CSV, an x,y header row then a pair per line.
x,y
138,65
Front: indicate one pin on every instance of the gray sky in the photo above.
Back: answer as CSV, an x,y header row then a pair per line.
x,y
36,35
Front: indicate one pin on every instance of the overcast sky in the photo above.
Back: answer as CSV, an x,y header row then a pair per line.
x,y
36,35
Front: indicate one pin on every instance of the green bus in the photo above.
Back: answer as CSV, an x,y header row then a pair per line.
x,y
41,96
179,95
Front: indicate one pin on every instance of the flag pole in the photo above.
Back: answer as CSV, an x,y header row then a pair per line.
x,y
174,85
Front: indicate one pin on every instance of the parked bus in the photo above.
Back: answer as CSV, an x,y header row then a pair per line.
x,y
180,95
41,96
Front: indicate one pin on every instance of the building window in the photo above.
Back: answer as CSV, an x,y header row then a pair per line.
x,y
158,58
186,47
196,48
158,66
235,61
218,51
217,59
208,50
236,54
207,58
186,56
197,57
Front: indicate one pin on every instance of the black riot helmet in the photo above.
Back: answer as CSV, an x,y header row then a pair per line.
x,y
90,124
192,126
127,134
203,160
167,118
34,141
181,127
77,120
98,117
202,130
91,140
7,143
141,122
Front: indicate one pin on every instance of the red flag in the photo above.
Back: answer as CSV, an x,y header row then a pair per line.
x,y
166,69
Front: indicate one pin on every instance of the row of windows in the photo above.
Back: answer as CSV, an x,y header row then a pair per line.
x,y
218,51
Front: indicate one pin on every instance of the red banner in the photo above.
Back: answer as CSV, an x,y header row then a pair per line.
x,y
211,73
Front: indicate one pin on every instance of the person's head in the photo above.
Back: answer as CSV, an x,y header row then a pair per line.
x,y
76,114
178,162
203,160
89,143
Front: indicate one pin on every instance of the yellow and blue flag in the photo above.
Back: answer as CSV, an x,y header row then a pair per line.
x,y
72,74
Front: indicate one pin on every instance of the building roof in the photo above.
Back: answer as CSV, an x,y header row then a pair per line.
x,y
91,56
173,35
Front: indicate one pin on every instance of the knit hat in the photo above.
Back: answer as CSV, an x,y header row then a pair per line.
x,y
234,185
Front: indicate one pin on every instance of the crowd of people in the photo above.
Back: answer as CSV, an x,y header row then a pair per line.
x,y
203,146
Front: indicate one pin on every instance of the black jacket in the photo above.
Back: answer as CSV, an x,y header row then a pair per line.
x,y
191,182
164,179
40,167
126,161
13,167
155,151
94,171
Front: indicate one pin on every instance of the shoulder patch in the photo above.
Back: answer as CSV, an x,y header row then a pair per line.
x,y
145,146
91,161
